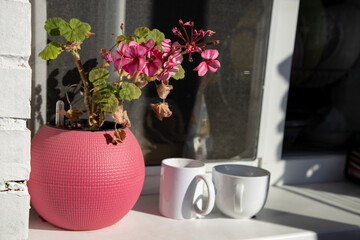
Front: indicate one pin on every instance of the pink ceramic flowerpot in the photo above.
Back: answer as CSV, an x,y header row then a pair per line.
x,y
80,180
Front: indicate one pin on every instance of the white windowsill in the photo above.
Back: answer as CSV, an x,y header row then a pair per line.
x,y
312,211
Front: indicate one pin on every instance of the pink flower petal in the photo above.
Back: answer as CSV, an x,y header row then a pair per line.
x,y
197,49
140,64
164,75
213,65
129,65
210,54
117,55
134,44
117,59
107,56
202,69
149,44
176,58
122,47
135,50
130,52
141,51
154,62
176,44
168,65
175,30
152,67
173,70
166,45
156,53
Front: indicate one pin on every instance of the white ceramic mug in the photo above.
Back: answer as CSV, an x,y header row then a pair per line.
x,y
241,191
182,189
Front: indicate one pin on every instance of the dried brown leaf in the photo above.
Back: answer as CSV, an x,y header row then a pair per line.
x,y
105,64
71,45
103,51
140,82
163,90
122,118
161,109
73,114
119,136
88,34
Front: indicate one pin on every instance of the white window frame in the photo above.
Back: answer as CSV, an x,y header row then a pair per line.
x,y
298,169
292,170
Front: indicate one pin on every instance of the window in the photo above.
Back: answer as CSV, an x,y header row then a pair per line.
x,y
214,117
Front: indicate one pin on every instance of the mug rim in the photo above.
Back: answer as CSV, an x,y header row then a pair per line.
x,y
169,162
265,173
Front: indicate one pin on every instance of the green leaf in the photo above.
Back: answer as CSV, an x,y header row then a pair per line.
x,y
149,79
75,30
120,38
104,91
52,26
109,104
141,32
140,40
51,51
104,96
116,91
156,36
129,39
180,74
98,75
129,91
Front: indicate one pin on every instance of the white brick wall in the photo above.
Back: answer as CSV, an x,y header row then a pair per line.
x,y
15,39
14,215
15,92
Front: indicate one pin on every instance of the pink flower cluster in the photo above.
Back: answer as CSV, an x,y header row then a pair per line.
x,y
158,58
192,45
146,58
174,58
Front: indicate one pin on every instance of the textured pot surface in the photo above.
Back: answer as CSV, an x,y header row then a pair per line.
x,y
80,180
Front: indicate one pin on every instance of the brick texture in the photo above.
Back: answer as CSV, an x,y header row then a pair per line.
x,y
14,218
15,155
15,94
15,26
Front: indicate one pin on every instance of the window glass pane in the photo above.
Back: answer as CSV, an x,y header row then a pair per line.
x,y
322,111
214,117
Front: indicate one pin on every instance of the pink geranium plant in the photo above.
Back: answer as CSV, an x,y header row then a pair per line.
x,y
146,56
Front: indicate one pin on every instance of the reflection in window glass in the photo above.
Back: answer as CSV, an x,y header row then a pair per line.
x,y
325,69
214,117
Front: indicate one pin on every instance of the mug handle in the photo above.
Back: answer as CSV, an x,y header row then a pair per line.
x,y
211,191
239,193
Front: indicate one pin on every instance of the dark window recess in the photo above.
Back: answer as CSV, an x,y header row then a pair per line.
x,y
323,105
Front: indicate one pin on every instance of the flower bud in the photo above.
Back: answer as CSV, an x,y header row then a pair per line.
x,y
209,33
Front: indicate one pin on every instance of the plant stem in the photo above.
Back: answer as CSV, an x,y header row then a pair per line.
x,y
85,83
94,105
